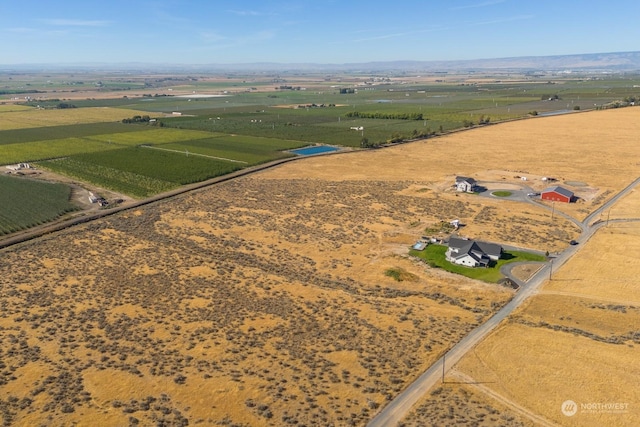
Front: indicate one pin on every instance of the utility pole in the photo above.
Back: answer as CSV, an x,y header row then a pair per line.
x,y
550,269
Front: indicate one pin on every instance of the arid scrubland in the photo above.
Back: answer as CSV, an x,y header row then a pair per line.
x,y
233,305
263,300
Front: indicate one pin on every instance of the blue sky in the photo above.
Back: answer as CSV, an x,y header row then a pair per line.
x,y
309,31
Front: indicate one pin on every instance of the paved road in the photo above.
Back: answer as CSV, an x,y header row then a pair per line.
x,y
399,407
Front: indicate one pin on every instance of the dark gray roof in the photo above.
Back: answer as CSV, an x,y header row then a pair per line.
x,y
490,248
464,178
559,190
457,242
469,246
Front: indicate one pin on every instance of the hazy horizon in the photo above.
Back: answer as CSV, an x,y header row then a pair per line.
x,y
308,32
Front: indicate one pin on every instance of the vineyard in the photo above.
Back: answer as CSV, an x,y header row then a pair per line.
x,y
187,140
139,171
25,203
245,149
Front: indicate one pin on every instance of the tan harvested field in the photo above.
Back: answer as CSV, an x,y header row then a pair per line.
x,y
598,149
628,207
577,340
263,300
35,117
611,263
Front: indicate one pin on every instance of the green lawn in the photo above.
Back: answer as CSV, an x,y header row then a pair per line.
x,y
434,255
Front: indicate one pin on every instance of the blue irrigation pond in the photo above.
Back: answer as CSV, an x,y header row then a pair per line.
x,y
309,151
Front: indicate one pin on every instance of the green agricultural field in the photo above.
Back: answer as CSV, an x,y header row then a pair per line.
x,y
241,148
26,203
151,136
42,150
14,136
245,127
140,171
13,107
434,255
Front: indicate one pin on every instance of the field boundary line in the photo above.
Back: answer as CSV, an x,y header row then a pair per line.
x,y
597,298
470,381
192,154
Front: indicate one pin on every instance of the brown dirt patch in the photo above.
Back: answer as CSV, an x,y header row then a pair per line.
x,y
525,271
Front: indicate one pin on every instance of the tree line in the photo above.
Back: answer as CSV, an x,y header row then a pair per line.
x,y
392,116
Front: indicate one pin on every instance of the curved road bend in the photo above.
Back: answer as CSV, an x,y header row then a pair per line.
x,y
399,407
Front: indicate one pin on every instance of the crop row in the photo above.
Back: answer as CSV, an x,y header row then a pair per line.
x,y
249,149
26,203
140,171
150,135
115,179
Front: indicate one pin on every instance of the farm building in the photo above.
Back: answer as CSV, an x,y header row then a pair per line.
x,y
557,194
19,166
472,253
465,184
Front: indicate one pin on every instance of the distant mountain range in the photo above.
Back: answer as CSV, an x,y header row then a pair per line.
x,y
591,62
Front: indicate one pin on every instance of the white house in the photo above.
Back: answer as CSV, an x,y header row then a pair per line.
x,y
472,253
465,184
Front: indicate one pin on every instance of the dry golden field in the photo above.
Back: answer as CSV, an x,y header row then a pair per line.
x,y
627,207
263,300
611,263
597,150
20,118
578,339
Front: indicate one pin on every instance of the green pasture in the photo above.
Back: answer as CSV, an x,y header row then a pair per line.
x,y
26,203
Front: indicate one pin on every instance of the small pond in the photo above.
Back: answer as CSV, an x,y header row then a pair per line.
x,y
317,149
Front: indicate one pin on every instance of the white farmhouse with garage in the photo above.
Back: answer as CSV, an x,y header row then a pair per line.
x,y
472,253
465,184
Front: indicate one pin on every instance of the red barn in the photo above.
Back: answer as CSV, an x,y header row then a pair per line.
x,y
557,194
